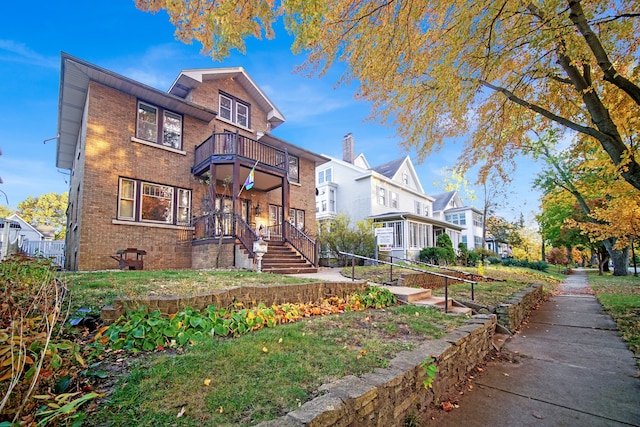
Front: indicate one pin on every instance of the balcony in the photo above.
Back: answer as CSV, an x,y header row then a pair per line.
x,y
221,148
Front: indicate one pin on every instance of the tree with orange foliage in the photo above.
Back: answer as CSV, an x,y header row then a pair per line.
x,y
438,69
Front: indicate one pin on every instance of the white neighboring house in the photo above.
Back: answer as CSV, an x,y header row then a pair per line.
x,y
9,237
449,207
390,194
39,241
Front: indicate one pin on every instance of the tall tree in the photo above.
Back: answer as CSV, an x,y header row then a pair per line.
x,y
47,209
438,69
5,211
595,186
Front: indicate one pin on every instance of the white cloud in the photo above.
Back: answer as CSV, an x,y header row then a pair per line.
x,y
12,51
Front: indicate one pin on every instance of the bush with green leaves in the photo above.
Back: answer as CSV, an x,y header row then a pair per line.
x,y
338,235
442,254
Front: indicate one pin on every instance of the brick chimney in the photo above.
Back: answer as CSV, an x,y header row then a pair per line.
x,y
347,148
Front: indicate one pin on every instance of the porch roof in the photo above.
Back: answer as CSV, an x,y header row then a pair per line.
x,y
395,216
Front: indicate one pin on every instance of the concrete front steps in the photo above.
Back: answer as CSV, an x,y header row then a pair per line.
x,y
283,259
423,297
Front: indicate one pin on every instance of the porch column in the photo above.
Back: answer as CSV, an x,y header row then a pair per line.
x,y
285,194
235,189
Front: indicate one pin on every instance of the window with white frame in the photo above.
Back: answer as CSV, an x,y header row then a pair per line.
x,y
426,209
398,237
418,207
150,202
153,121
294,169
394,199
405,178
325,175
332,200
457,218
296,217
234,110
477,220
418,235
326,201
477,240
382,196
464,239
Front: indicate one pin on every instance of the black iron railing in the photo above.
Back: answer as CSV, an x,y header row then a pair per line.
x,y
306,246
392,264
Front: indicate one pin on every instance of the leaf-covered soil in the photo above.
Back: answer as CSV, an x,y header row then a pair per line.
x,y
258,376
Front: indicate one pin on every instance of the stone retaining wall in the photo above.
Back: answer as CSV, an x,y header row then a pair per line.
x,y
387,397
247,295
517,308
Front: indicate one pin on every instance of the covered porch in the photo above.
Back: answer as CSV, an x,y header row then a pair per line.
x,y
412,233
248,193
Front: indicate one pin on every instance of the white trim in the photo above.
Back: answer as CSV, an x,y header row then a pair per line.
x,y
156,145
222,119
151,224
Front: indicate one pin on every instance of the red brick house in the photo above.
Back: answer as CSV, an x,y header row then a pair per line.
x,y
163,172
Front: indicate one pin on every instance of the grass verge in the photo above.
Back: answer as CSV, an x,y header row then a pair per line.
x,y
620,297
268,373
486,293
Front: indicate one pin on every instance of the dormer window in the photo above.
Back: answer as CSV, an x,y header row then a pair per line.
x,y
233,110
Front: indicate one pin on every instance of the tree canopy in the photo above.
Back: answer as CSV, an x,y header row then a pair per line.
x,y
47,209
438,69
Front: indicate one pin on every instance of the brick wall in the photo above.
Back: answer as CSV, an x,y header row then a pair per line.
x,y
109,153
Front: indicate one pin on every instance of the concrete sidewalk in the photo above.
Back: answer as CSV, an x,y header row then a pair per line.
x,y
570,369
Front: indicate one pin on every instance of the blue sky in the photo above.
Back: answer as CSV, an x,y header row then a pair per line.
x,y
142,46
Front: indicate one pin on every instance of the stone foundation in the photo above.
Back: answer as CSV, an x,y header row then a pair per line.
x,y
387,397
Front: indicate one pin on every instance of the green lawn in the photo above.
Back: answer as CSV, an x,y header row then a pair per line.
x,y
620,297
97,289
267,373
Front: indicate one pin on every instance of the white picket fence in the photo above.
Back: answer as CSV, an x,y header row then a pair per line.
x,y
53,249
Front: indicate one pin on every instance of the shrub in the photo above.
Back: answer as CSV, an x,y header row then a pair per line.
x,y
494,260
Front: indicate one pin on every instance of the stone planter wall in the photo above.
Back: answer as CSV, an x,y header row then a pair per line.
x,y
247,295
386,397
517,308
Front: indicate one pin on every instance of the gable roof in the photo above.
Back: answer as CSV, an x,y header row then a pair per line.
x,y
390,169
75,75
24,224
442,200
190,79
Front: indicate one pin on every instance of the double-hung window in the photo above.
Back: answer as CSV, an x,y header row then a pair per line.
x,y
159,126
382,196
394,199
294,169
149,202
233,110
325,175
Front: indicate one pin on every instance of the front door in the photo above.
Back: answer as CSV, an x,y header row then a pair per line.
x,y
275,221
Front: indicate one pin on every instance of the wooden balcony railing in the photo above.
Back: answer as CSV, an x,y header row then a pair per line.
x,y
231,144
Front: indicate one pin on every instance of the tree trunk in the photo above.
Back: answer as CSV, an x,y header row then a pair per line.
x,y
619,257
